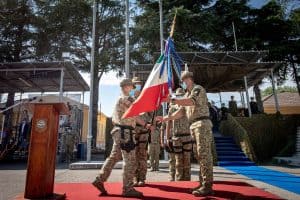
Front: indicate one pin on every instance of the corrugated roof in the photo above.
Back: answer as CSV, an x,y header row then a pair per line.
x,y
284,99
40,77
220,71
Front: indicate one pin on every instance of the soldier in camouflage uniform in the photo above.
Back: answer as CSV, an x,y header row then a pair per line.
x,y
163,143
154,150
182,142
123,144
194,104
141,138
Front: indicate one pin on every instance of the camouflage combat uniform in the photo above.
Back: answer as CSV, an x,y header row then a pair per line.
x,y
141,138
117,153
154,149
201,129
182,145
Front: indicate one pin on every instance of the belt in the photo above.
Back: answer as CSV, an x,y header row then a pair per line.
x,y
124,126
200,118
182,135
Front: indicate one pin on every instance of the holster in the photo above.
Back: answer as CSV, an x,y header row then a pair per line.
x,y
169,148
130,145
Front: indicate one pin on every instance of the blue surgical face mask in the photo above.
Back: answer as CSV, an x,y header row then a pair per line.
x,y
131,93
183,85
138,87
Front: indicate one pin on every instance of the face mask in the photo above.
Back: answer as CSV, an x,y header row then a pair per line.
x,y
138,87
183,85
131,93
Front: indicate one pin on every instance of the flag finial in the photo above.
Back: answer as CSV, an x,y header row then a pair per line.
x,y
173,24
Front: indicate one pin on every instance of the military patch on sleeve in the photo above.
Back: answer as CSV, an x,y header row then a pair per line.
x,y
196,91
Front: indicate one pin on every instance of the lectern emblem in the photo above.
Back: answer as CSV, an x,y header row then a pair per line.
x,y
41,125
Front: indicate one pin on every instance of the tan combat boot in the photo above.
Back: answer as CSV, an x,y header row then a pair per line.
x,y
132,193
196,188
203,191
100,186
141,184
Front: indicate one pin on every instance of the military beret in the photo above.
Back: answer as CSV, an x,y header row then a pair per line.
x,y
136,80
126,82
179,91
186,74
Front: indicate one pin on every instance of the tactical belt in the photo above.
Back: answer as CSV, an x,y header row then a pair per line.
x,y
143,132
182,135
130,145
199,119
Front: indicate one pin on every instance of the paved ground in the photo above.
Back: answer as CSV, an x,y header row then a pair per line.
x,y
12,178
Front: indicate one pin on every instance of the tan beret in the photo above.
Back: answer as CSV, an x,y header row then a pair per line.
x,y
126,82
136,80
186,74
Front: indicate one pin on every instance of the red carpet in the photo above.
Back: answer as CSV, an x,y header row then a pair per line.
x,y
165,191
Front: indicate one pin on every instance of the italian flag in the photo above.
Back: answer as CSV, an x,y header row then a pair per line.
x,y
154,92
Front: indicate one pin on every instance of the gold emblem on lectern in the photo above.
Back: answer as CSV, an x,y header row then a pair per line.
x,y
41,125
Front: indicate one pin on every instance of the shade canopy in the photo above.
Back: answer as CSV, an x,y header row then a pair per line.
x,y
40,77
220,71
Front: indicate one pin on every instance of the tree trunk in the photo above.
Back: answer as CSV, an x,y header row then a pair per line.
x,y
296,77
257,93
95,109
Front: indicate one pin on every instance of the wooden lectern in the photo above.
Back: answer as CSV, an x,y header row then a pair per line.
x,y
42,151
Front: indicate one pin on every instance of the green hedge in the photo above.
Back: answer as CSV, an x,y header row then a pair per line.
x,y
231,127
266,135
269,134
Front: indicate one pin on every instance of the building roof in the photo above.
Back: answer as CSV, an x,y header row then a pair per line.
x,y
220,71
40,77
284,99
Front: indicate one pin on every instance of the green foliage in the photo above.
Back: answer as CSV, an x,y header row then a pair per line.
x,y
232,127
269,133
268,91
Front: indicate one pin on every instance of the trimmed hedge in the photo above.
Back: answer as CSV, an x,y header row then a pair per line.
x,y
231,127
268,135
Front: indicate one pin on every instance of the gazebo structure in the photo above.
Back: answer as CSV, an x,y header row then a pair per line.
x,y
40,77
229,71
26,77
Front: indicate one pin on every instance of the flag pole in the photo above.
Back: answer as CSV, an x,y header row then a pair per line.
x,y
173,24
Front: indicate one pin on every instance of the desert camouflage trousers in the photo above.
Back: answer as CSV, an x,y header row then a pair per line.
x,y
172,163
129,161
182,145
141,138
202,133
154,151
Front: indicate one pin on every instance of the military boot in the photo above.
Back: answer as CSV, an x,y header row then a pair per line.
x,y
203,191
132,193
100,186
196,188
141,184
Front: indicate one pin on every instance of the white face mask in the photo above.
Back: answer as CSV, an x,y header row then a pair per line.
x,y
183,85
138,87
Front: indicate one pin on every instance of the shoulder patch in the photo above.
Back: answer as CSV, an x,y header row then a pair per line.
x,y
196,91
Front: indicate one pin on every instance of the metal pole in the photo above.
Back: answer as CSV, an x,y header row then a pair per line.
x,y
89,136
235,43
242,99
161,27
127,39
220,96
61,85
2,128
274,92
247,96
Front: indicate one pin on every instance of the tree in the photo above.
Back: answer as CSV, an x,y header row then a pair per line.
x,y
188,35
269,90
67,27
17,36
